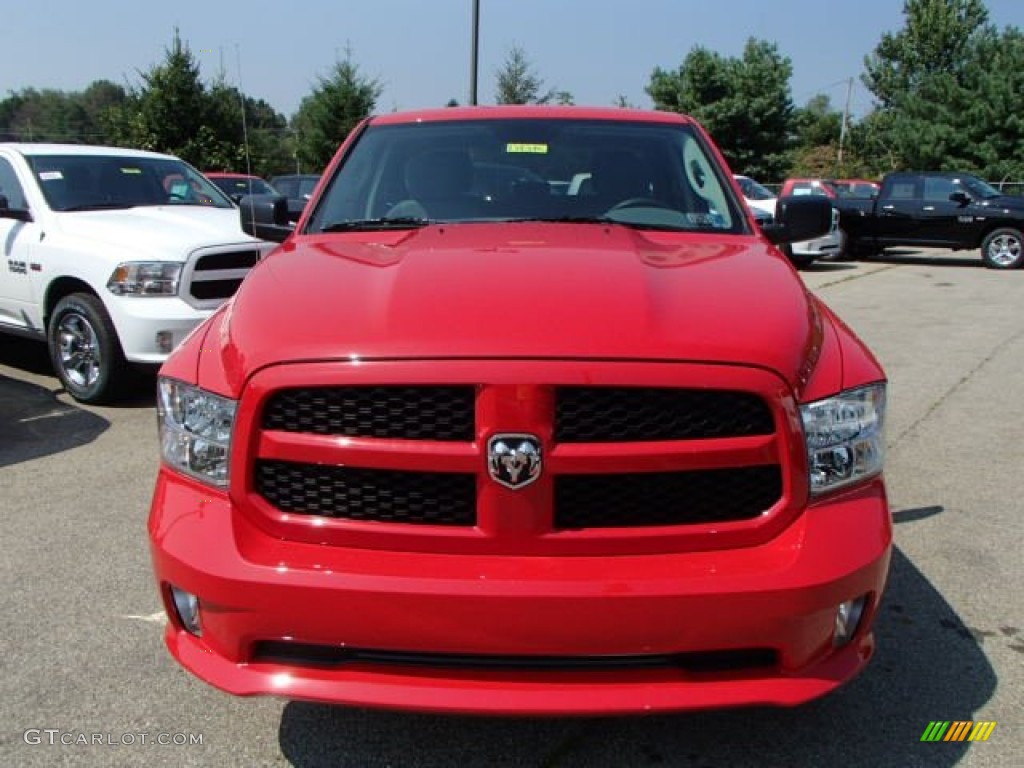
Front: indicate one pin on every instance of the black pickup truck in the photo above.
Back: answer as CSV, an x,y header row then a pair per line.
x,y
942,210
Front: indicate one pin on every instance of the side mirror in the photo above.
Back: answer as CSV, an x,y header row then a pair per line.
x,y
265,217
960,198
18,214
799,218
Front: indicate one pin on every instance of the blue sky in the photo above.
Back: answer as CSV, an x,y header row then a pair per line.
x,y
420,49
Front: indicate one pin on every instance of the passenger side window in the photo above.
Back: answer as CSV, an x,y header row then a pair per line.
x,y
10,187
903,190
938,189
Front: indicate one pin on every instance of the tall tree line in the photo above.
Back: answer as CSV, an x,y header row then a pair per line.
x,y
948,91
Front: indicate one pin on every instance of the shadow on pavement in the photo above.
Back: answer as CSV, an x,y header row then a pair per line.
x,y
31,356
828,266
929,666
34,423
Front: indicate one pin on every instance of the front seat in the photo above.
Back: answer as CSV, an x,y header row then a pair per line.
x,y
438,184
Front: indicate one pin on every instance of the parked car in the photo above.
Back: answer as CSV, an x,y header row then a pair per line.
x,y
763,203
298,188
860,189
938,209
113,256
531,453
833,189
238,185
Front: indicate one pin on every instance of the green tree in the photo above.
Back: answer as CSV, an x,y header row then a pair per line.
x,y
937,38
173,111
325,117
51,115
950,90
744,103
518,83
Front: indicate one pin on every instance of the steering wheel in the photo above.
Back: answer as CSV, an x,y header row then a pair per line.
x,y
640,202
175,196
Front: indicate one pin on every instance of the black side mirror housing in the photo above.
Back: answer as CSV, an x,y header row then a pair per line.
x,y
265,217
960,198
18,214
802,217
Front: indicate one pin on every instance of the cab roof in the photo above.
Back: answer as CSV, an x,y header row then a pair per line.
x,y
530,111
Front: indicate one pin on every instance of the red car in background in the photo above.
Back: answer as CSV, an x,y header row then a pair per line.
x,y
831,188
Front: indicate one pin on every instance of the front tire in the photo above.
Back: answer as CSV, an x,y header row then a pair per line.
x,y
84,349
1002,249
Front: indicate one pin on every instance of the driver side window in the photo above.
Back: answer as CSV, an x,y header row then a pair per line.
x,y
10,187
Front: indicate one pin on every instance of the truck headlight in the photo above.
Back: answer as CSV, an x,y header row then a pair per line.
x,y
845,437
195,430
145,278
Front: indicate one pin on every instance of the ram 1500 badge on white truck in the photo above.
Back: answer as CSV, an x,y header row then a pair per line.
x,y
112,256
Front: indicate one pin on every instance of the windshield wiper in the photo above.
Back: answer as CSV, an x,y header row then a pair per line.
x,y
599,220
370,225
98,207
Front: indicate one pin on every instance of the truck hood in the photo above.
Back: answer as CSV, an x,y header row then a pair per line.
x,y
524,291
167,233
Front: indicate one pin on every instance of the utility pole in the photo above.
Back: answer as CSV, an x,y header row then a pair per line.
x,y
843,128
474,56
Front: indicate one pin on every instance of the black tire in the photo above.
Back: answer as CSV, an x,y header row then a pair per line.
x,y
1002,249
84,349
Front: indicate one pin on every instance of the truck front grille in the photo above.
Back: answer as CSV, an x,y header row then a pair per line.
x,y
215,276
378,495
626,469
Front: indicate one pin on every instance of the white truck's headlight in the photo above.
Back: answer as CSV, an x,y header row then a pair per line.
x,y
195,430
845,437
145,278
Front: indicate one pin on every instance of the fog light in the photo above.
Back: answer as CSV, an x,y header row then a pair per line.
x,y
187,607
164,342
848,617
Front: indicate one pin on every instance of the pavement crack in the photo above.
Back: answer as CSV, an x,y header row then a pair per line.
x,y
996,350
855,276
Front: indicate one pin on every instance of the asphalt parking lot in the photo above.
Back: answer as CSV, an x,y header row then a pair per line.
x,y
81,630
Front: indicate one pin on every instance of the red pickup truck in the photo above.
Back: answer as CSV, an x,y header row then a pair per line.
x,y
502,443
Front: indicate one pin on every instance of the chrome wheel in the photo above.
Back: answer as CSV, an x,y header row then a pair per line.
x,y
79,350
1004,250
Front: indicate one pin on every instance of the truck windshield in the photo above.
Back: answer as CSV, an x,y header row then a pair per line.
x,y
98,182
979,188
644,175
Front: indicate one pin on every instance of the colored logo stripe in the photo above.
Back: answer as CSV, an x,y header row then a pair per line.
x,y
982,731
958,730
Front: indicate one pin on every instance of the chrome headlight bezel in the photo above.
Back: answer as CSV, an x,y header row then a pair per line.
x,y
195,428
145,279
844,437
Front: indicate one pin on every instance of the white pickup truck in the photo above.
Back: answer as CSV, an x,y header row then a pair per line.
x,y
112,256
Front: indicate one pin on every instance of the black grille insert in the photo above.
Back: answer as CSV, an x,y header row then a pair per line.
x,y
378,495
215,289
227,260
665,498
409,413
630,414
303,654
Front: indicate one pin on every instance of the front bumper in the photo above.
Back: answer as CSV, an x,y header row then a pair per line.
x,y
781,595
138,320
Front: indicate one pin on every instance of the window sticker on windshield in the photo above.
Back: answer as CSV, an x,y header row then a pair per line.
x,y
527,149
131,170
50,175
